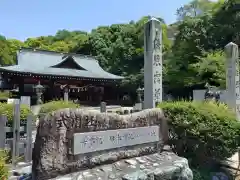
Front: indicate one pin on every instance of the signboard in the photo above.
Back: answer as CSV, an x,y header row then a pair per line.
x,y
111,139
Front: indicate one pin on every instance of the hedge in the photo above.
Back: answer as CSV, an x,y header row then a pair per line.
x,y
7,109
202,131
4,95
55,105
3,167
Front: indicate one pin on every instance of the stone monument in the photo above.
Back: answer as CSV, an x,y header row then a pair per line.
x,y
152,63
232,77
89,145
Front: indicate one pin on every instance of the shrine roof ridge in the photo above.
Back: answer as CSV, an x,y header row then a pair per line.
x,y
44,62
61,72
90,57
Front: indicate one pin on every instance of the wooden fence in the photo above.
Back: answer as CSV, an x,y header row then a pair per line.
x,y
18,137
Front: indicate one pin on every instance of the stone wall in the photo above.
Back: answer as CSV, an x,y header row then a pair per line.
x,y
53,154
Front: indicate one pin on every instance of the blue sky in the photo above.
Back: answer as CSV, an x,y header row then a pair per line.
x,y
21,19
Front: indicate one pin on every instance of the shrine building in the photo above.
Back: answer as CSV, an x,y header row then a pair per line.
x,y
80,76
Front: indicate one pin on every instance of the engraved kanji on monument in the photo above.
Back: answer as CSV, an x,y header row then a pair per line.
x,y
112,139
232,77
73,139
152,63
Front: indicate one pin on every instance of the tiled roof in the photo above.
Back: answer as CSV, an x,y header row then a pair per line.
x,y
41,62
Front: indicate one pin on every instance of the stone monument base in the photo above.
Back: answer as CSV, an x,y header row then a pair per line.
x,y
165,165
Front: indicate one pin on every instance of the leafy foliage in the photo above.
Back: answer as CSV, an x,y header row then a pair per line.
x,y
3,166
211,68
202,129
199,40
188,45
4,95
197,8
226,24
55,105
7,109
5,54
119,49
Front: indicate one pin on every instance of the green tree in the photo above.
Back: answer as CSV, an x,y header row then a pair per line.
x,y
2,37
197,7
60,46
14,46
33,43
211,68
226,24
119,49
190,43
6,57
196,54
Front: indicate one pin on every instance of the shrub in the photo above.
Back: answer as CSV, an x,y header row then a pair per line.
x,y
3,167
4,95
55,105
7,109
201,130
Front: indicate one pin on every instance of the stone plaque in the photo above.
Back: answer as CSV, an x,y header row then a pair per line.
x,y
111,139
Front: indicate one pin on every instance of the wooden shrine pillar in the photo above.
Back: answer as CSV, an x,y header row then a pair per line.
x,y
21,87
101,94
49,93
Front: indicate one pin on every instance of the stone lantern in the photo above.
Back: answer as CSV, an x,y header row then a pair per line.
x,y
39,91
139,94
